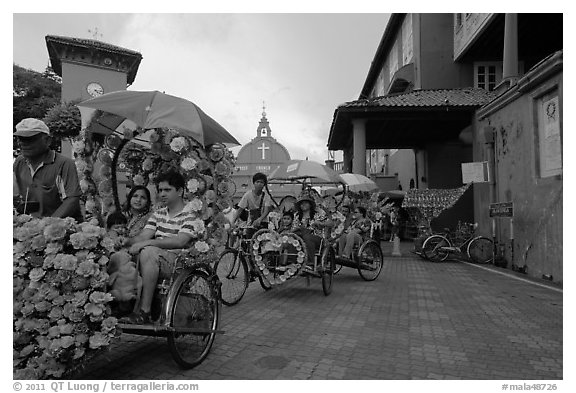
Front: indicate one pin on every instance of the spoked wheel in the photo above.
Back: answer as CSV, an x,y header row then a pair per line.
x,y
370,260
232,271
433,248
481,250
194,315
328,266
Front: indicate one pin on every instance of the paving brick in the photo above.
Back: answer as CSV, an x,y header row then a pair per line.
x,y
418,320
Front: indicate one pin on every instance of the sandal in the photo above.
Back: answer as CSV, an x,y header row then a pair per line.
x,y
137,318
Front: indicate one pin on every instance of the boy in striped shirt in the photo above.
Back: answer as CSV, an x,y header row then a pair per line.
x,y
168,230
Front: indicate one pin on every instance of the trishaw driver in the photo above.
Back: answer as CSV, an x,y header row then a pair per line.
x,y
167,230
256,202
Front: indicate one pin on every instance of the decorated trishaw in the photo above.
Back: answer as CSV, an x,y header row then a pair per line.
x,y
274,258
62,307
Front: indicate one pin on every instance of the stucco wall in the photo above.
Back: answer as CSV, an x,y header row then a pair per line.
x,y
437,67
537,200
445,171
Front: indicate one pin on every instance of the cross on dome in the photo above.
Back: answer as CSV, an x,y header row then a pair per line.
x,y
263,148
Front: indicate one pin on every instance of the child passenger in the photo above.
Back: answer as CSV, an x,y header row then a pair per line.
x,y
123,281
286,223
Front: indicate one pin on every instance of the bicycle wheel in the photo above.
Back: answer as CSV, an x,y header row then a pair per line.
x,y
232,271
481,250
194,315
327,263
370,260
433,250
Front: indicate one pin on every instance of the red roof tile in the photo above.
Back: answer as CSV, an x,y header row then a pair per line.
x,y
428,98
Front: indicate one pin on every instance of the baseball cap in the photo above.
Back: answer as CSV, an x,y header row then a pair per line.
x,y
30,127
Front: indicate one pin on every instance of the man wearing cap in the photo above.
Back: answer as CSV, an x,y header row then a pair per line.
x,y
47,181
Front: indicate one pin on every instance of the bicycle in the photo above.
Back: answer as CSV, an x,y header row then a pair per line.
x,y
236,267
479,249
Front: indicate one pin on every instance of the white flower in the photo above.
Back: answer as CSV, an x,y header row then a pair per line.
x,y
195,205
201,246
78,146
178,144
192,185
188,164
198,226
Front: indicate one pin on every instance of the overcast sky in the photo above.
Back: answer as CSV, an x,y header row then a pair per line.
x,y
301,65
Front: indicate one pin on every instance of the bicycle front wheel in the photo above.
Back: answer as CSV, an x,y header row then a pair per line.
x,y
232,271
194,317
481,250
433,248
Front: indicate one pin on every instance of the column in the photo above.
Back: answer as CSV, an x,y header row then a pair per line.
x,y
359,145
347,156
510,69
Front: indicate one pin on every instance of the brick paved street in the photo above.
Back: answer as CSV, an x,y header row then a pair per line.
x,y
418,320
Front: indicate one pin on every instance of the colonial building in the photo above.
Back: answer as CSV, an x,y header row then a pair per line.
x,y
262,154
448,89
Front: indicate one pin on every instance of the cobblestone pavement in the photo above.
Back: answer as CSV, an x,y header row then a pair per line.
x,y
418,320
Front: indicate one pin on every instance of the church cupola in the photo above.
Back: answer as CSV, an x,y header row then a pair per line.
x,y
263,127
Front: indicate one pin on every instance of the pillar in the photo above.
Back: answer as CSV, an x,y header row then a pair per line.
x,y
347,157
510,69
359,145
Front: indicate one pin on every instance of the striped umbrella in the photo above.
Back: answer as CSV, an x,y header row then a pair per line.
x,y
357,183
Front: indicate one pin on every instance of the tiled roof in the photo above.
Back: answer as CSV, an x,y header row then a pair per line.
x,y
463,97
91,43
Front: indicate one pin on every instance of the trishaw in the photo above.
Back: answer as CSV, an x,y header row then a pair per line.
x,y
186,302
275,258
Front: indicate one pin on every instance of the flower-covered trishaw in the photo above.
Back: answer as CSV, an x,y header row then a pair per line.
x,y
277,256
62,305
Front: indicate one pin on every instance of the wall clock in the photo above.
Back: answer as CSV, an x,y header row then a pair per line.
x,y
94,89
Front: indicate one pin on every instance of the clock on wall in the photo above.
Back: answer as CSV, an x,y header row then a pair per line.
x,y
94,89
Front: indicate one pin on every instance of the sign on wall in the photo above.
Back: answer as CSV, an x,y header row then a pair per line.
x,y
475,172
503,209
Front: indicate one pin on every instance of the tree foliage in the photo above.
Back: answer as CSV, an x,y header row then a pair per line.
x,y
34,93
64,120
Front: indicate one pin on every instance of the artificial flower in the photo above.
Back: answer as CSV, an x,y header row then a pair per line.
x,y
178,144
188,163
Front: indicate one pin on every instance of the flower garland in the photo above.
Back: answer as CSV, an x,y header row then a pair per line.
x,y
84,149
61,314
270,241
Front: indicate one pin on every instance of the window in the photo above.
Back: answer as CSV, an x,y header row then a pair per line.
x,y
549,134
407,41
487,75
458,22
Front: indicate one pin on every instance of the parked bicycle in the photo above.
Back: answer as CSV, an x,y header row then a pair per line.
x,y
464,241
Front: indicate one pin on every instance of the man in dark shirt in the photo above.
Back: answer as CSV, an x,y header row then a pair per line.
x,y
47,181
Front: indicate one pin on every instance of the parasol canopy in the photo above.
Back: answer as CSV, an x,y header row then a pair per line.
x,y
153,109
357,183
304,169
432,202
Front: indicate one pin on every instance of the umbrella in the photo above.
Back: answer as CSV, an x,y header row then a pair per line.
x,y
304,169
357,183
394,194
152,109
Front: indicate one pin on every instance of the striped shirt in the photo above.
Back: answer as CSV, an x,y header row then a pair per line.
x,y
165,226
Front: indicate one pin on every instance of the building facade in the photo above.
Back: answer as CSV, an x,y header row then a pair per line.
x,y
448,89
262,154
